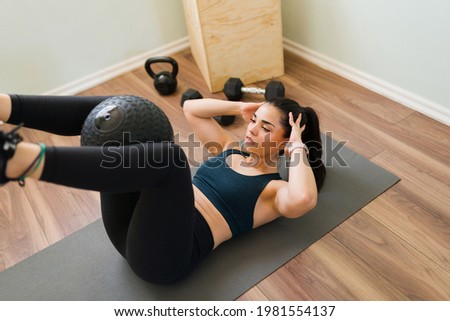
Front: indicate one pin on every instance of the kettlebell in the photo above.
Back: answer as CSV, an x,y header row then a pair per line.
x,y
165,82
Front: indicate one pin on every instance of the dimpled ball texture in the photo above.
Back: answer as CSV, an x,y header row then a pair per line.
x,y
124,120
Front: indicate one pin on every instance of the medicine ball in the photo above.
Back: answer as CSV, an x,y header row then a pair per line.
x,y
123,120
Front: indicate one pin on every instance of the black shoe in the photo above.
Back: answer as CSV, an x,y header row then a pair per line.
x,y
8,143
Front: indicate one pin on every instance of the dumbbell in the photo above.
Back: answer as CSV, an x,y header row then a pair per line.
x,y
190,94
234,89
194,94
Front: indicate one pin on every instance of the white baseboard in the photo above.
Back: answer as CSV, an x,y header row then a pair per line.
x,y
111,72
408,99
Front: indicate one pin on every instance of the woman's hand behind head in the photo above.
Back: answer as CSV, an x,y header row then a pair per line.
x,y
248,109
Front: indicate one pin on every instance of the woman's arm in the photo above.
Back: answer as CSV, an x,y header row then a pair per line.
x,y
200,112
299,195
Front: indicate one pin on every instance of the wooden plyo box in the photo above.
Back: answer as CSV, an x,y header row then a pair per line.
x,y
235,38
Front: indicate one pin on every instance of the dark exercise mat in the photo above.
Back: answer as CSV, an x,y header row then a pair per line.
x,y
85,266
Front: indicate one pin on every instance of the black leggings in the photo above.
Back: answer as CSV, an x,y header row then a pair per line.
x,y
146,190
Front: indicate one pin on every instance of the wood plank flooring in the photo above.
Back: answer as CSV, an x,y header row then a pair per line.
x,y
395,248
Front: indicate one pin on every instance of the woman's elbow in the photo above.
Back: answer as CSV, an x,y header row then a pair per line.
x,y
301,205
311,202
187,106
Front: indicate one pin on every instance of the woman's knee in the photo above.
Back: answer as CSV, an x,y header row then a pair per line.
x,y
175,159
178,156
164,154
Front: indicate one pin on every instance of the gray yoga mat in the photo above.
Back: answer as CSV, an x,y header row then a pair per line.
x,y
85,266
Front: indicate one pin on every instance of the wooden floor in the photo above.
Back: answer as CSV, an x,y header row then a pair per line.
x,y
395,248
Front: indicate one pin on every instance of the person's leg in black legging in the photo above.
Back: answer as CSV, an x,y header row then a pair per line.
x,y
117,210
158,241
65,115
62,115
151,224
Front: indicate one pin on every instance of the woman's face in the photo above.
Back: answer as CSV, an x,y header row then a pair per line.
x,y
265,134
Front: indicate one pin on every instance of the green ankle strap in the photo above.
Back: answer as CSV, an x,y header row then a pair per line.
x,y
33,166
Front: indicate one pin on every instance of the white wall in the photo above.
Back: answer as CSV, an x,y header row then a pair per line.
x,y
405,43
46,44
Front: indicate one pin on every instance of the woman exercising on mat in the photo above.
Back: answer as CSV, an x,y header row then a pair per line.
x,y
162,221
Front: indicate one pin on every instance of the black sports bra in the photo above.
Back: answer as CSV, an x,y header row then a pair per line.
x,y
233,194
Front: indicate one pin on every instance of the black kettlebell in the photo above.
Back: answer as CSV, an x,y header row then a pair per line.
x,y
165,82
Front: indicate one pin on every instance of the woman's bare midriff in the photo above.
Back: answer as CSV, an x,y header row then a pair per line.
x,y
219,227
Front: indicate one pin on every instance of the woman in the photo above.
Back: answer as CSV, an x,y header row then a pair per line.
x,y
163,222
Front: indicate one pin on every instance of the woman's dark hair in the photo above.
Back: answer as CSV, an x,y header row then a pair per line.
x,y
310,136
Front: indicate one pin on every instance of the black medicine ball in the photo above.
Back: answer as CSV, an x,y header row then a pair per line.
x,y
122,120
